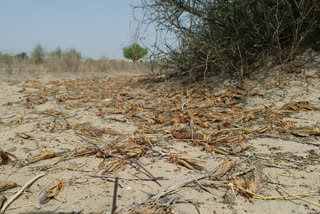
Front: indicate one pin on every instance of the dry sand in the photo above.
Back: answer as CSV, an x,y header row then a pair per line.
x,y
291,161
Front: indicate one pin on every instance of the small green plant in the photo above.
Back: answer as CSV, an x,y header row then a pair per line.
x,y
134,52
38,54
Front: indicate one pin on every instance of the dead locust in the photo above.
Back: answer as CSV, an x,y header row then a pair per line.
x,y
52,191
5,156
186,162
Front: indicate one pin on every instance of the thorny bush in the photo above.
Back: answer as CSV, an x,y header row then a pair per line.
x,y
231,35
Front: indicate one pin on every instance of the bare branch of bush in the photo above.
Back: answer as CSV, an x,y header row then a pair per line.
x,y
228,35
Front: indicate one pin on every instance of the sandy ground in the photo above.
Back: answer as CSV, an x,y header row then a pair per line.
x,y
131,107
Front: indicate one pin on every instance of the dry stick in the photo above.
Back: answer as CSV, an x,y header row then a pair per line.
x,y
177,186
147,172
22,206
3,209
2,200
272,197
197,208
235,196
114,201
203,187
267,197
297,197
206,70
128,179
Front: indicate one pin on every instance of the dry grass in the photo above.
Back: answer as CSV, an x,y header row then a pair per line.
x,y
53,64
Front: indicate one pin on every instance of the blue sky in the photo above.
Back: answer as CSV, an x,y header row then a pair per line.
x,y
96,28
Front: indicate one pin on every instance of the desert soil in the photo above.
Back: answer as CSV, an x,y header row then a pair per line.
x,y
262,135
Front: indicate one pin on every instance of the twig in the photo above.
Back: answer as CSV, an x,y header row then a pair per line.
x,y
155,198
128,179
2,200
234,194
206,69
7,203
23,206
147,172
267,197
247,158
183,104
197,208
278,197
117,119
203,187
293,195
71,168
114,201
243,172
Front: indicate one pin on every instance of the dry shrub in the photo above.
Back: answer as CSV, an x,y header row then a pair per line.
x,y
232,36
69,61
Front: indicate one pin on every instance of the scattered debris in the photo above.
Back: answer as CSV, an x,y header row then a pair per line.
x,y
217,124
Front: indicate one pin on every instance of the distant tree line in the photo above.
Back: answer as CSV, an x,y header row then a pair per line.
x,y
38,55
69,60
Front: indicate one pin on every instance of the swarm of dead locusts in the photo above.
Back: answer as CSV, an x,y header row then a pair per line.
x,y
216,122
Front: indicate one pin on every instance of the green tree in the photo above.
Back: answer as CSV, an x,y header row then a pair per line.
x,y
134,52
22,56
38,54
57,52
